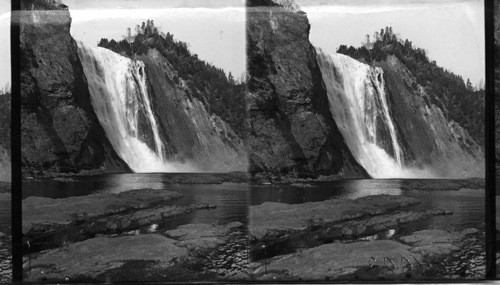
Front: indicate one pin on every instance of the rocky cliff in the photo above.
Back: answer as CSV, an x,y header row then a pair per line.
x,y
60,132
5,161
429,137
291,130
436,120
187,96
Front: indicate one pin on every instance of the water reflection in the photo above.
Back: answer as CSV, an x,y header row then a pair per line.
x,y
232,199
347,189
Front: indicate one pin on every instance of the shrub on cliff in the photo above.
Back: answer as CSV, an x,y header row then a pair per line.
x,y
5,96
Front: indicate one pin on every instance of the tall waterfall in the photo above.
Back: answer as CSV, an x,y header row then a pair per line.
x,y
358,103
117,86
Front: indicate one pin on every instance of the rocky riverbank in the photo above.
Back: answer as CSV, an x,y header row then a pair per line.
x,y
354,239
5,234
415,255
189,252
5,257
101,238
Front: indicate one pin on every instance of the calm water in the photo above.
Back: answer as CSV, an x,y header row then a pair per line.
x,y
467,204
232,199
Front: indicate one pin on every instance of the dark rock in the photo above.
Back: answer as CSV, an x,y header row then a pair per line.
x,y
271,219
428,137
387,259
205,139
122,222
93,257
436,242
60,131
336,259
291,128
42,214
5,122
202,236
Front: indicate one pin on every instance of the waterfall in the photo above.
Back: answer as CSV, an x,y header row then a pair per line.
x,y
358,102
119,96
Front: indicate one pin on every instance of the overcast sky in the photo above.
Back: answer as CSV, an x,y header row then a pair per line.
x,y
451,31
215,30
5,43
216,35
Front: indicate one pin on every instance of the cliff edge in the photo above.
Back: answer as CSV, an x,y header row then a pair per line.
x,y
60,131
291,130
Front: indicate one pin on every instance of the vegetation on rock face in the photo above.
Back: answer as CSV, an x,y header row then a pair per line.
x,y
458,100
222,95
5,96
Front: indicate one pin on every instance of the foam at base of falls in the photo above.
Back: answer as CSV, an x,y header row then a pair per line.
x,y
117,86
356,93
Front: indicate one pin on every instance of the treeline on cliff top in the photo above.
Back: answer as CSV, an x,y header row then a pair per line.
x,y
221,94
458,100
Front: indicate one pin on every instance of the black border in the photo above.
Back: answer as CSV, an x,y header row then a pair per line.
x,y
489,142
490,194
17,254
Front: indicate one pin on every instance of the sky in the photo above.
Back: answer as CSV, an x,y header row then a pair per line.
x,y
5,74
452,32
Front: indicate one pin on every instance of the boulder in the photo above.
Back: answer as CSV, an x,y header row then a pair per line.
x,y
41,214
271,218
93,257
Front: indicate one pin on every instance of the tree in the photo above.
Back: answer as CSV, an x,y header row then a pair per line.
x,y
342,49
469,85
480,85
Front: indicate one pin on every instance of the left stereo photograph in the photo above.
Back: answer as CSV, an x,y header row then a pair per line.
x,y
132,120
5,167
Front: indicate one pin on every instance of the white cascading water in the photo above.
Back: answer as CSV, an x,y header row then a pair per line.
x,y
117,86
357,98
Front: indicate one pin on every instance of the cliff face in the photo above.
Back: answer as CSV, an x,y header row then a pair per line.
x,y
60,132
291,130
190,132
5,161
185,93
429,138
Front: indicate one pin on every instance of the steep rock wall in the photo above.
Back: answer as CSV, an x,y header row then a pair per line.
x,y
5,161
428,137
190,132
60,132
291,130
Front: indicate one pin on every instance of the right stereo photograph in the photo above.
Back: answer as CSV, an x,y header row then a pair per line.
x,y
367,131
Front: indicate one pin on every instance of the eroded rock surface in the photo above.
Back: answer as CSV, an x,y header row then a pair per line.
x,y
202,236
271,218
336,259
388,259
41,214
436,242
93,257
